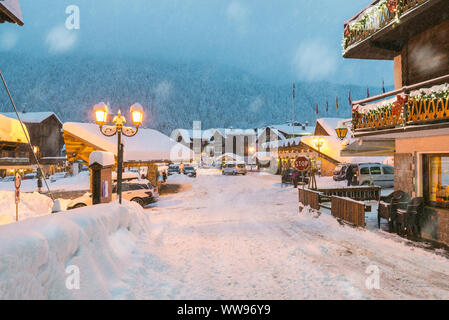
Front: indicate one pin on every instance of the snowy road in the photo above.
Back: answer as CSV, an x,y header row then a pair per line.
x,y
243,238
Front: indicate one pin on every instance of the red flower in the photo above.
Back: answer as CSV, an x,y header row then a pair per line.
x,y
392,5
397,107
347,31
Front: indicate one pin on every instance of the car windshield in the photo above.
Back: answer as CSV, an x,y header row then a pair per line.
x,y
189,168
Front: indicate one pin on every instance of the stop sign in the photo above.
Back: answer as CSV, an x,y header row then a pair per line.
x,y
302,163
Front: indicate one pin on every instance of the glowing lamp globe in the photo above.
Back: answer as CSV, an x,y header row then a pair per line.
x,y
136,112
101,113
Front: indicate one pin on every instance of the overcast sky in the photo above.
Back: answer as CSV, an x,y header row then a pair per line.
x,y
282,40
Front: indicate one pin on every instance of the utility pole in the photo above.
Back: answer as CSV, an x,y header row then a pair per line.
x,y
293,108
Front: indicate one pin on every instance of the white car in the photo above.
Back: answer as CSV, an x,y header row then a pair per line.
x,y
376,174
141,192
233,168
58,176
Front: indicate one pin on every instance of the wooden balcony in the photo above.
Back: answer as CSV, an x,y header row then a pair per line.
x,y
380,31
411,107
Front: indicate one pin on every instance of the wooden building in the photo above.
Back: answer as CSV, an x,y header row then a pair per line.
x,y
14,149
10,12
147,149
413,120
45,133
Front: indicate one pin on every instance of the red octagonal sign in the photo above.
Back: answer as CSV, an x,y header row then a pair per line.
x,y
302,163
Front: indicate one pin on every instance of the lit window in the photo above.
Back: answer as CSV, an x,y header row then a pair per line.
x,y
437,180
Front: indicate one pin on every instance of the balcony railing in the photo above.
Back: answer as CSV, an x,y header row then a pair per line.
x,y
375,18
423,103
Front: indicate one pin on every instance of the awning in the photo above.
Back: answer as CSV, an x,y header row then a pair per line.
x,y
10,12
369,148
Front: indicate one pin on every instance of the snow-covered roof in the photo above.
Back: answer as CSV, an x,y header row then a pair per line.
x,y
31,117
288,129
11,11
11,130
230,155
330,124
184,133
147,145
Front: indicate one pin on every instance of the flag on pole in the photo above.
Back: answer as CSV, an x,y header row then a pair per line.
x,y
336,103
293,91
317,111
367,92
383,86
327,106
350,100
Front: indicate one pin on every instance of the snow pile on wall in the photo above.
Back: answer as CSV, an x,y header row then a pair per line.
x,y
31,205
104,159
79,182
39,256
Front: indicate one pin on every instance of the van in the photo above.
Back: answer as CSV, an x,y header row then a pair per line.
x,y
376,174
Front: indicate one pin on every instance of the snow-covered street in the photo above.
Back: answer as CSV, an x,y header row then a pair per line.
x,y
243,238
219,237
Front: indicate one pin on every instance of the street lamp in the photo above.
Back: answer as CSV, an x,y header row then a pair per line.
x,y
318,142
101,112
342,131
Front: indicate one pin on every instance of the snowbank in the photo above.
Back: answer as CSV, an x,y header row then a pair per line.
x,y
31,205
98,241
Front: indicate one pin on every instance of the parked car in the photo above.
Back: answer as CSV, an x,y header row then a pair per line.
x,y
30,176
190,171
376,174
173,168
340,172
142,193
8,179
233,168
58,176
294,177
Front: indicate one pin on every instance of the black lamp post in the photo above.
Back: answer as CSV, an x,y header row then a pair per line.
x,y
101,111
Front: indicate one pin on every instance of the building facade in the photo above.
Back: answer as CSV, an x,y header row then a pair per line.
x,y
414,118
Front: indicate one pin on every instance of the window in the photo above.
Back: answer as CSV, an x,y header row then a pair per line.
x,y
388,170
436,180
375,170
364,170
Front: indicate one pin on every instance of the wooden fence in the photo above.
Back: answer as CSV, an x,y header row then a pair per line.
x,y
349,210
356,193
309,198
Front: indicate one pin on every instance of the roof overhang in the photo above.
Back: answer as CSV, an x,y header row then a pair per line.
x,y
387,42
10,12
369,148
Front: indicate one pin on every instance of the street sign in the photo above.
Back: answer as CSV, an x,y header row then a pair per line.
x,y
18,181
302,163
